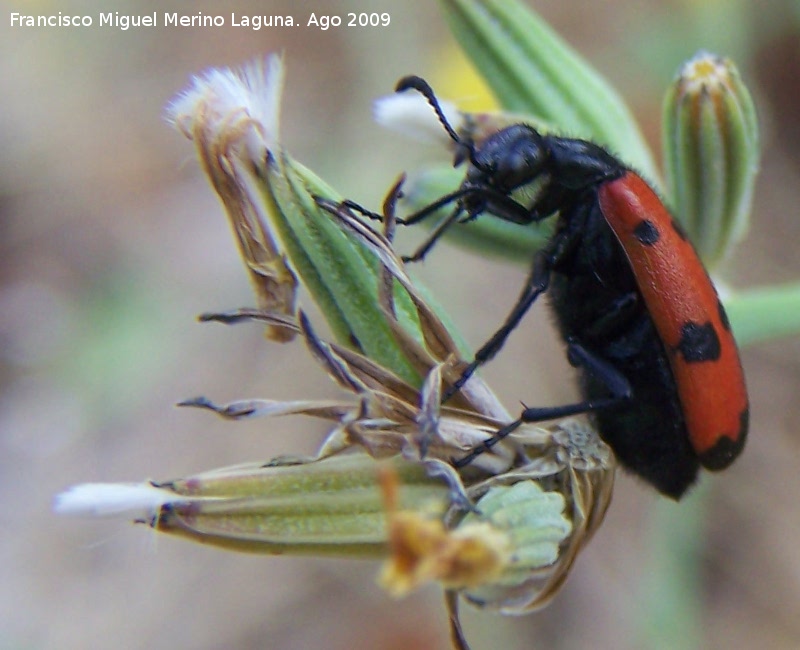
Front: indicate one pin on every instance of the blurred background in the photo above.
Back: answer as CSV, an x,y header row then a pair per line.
x,y
111,243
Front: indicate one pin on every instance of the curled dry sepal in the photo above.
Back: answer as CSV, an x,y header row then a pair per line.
x,y
502,531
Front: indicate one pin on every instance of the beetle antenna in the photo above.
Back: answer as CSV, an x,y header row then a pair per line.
x,y
413,82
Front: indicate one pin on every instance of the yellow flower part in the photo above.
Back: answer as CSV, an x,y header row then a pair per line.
x,y
456,78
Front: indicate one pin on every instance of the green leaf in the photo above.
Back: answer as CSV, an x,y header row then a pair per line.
x,y
532,70
765,313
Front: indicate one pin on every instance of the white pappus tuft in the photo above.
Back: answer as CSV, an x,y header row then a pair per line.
x,y
126,500
411,115
241,105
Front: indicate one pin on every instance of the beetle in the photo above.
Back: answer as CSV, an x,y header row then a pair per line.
x,y
659,369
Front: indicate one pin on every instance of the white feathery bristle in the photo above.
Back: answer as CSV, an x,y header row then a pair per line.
x,y
233,103
411,115
113,500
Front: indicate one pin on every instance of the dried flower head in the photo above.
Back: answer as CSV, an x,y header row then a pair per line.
x,y
233,119
502,531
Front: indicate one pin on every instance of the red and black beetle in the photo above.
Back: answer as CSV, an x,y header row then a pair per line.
x,y
660,371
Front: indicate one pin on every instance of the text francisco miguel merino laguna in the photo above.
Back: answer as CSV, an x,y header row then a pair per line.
x,y
124,21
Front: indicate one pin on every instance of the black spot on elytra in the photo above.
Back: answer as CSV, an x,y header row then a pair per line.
x,y
727,449
678,228
699,342
723,316
646,232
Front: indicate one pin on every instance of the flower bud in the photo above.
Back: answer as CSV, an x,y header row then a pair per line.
x,y
330,507
711,153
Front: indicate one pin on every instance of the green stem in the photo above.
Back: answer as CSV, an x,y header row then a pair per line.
x,y
765,313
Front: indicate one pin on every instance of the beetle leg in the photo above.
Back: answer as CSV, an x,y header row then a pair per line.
x,y
503,206
536,415
355,207
619,315
437,232
537,283
619,388
538,280
602,370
